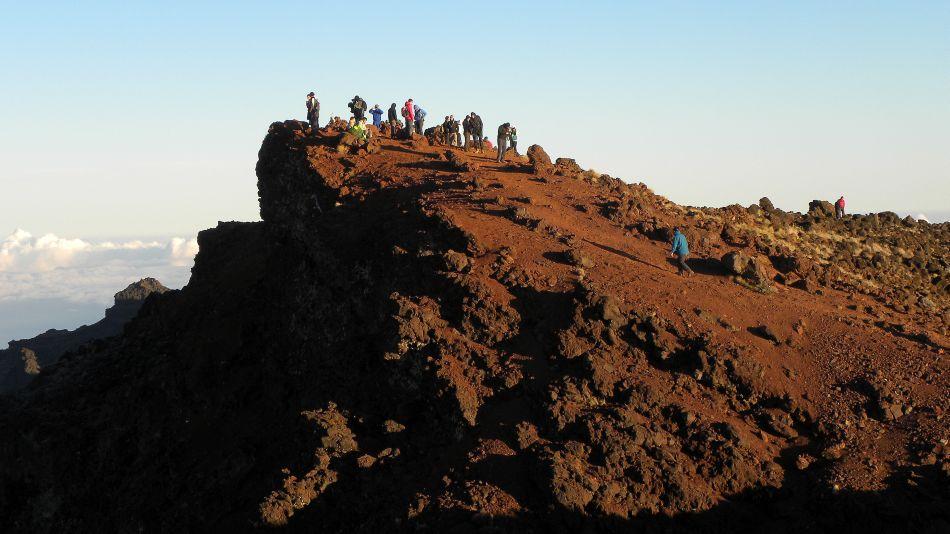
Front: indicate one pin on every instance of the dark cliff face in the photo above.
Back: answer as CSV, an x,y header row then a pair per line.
x,y
401,345
25,358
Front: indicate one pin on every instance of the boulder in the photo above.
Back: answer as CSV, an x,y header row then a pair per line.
x,y
567,166
455,261
766,204
746,267
539,160
456,162
821,208
577,258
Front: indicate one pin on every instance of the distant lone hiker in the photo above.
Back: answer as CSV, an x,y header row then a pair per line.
x,y
377,116
681,251
839,208
503,132
513,137
313,111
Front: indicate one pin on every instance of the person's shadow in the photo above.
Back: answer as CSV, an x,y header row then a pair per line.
x,y
708,266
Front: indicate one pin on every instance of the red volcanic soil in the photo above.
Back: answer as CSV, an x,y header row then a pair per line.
x,y
417,338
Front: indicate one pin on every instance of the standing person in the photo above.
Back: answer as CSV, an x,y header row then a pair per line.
x,y
358,107
467,130
455,139
477,134
446,131
420,115
839,208
313,111
681,251
393,120
409,113
377,115
503,131
513,137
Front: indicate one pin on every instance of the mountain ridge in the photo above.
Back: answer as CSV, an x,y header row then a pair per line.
x,y
419,339
46,348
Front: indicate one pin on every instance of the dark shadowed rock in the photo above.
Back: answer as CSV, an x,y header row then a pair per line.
x,y
24,358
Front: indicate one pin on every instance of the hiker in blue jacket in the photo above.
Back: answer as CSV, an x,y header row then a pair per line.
x,y
377,116
420,116
681,251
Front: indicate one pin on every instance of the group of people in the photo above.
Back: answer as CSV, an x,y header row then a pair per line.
x,y
467,133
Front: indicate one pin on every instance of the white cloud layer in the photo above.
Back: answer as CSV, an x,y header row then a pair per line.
x,y
77,270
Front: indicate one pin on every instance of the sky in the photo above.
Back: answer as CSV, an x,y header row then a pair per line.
x,y
141,121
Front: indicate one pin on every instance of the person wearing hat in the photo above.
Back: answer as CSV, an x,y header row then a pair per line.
x,y
313,111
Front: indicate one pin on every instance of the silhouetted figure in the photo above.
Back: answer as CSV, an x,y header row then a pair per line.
x,y
477,132
467,130
313,111
358,107
393,120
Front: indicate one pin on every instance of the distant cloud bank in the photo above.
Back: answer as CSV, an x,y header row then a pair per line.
x,y
77,270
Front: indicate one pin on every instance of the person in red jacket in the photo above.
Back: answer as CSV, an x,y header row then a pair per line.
x,y
839,208
409,114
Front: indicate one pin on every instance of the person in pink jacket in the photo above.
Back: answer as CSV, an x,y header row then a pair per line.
x,y
839,208
409,114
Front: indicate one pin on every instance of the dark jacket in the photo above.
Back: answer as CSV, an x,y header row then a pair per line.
x,y
503,131
357,103
477,126
313,108
392,113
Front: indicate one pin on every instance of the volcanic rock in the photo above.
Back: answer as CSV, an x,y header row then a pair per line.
x,y
390,350
24,358
539,160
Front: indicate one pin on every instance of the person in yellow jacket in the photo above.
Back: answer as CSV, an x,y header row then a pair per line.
x,y
358,129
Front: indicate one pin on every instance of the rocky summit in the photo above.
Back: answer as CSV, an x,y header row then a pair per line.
x,y
415,338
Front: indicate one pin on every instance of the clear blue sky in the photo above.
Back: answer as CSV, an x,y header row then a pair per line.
x,y
144,118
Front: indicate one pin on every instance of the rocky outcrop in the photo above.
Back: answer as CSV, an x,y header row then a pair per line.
x,y
539,160
23,359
